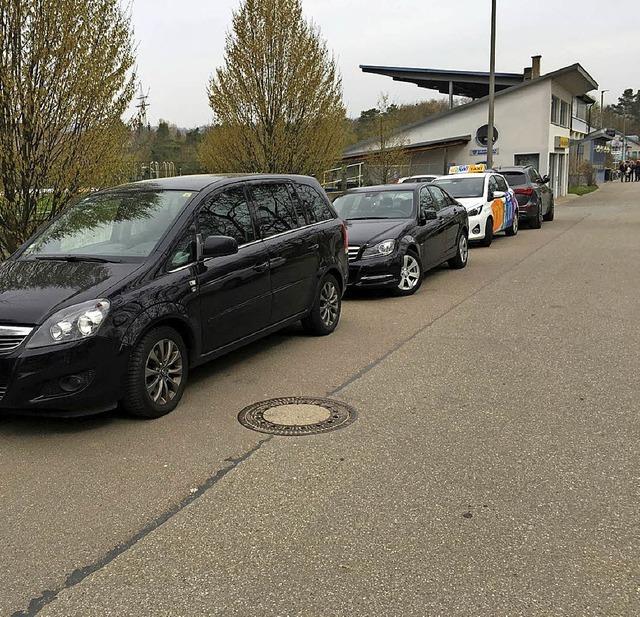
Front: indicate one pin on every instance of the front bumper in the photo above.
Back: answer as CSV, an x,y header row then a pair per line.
x,y
78,378
477,227
375,272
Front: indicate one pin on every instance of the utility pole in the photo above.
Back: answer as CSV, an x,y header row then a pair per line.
x,y
142,106
492,86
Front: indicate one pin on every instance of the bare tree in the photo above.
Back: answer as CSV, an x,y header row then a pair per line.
x,y
277,101
386,153
66,79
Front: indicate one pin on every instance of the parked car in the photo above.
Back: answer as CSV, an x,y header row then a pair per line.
x,y
491,204
124,292
398,232
535,198
419,178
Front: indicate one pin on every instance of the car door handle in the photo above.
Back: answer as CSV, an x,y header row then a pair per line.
x,y
277,261
261,267
313,248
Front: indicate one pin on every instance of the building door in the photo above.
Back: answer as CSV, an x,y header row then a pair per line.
x,y
553,170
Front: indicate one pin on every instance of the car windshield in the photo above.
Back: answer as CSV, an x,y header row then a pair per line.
x,y
124,223
375,205
515,178
462,187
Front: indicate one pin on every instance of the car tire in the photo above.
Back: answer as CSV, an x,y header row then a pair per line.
x,y
157,376
512,230
410,275
549,215
536,223
325,312
488,233
462,252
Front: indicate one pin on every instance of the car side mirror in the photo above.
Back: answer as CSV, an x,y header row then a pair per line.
x,y
498,194
219,246
545,179
430,214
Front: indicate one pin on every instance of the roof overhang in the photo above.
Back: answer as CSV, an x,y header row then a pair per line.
x,y
471,84
575,80
460,140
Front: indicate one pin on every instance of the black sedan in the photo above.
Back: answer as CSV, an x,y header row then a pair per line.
x,y
397,232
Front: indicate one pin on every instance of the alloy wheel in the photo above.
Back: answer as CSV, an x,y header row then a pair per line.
x,y
409,273
463,248
163,371
329,303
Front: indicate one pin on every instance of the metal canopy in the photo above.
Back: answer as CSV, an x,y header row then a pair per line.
x,y
471,84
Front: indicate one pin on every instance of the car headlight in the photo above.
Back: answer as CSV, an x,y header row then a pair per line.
x,y
386,247
475,211
73,323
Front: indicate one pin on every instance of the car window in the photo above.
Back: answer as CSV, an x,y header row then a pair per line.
x,y
316,207
515,178
493,185
439,197
462,187
276,209
227,214
502,184
427,202
184,252
535,176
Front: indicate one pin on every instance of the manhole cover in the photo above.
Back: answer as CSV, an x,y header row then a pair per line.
x,y
297,416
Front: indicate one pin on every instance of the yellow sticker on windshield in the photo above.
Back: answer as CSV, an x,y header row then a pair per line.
x,y
187,194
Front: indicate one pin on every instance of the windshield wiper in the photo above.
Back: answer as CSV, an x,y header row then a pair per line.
x,y
367,218
100,260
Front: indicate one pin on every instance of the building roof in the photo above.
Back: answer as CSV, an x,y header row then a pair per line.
x,y
472,84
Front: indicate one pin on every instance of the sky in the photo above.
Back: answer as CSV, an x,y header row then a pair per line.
x,y
180,43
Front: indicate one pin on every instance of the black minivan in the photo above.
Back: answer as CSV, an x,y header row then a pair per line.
x,y
125,291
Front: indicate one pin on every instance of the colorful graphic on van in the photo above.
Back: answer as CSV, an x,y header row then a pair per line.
x,y
497,208
510,208
503,210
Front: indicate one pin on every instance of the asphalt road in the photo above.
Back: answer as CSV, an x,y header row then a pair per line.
x,y
493,468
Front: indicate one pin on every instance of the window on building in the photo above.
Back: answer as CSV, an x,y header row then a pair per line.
x,y
564,113
560,111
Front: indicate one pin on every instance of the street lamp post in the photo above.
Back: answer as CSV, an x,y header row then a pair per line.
x,y
624,135
602,108
492,86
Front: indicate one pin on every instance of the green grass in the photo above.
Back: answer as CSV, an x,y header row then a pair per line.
x,y
583,190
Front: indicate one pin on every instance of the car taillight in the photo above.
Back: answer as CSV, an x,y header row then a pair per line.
x,y
344,237
525,191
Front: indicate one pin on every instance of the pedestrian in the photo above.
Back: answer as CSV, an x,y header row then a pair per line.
x,y
636,170
621,170
627,172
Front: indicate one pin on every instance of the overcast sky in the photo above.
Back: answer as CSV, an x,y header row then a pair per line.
x,y
181,42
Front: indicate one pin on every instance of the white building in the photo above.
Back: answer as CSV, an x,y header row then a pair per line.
x,y
535,120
